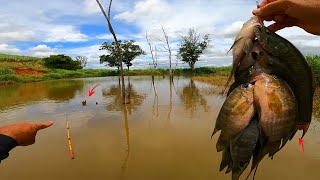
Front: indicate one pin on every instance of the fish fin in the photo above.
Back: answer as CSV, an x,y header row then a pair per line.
x,y
274,148
248,46
214,131
221,143
234,43
233,70
229,169
226,158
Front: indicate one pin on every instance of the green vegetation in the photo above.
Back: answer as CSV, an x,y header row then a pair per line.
x,y
191,47
314,61
62,61
129,52
15,58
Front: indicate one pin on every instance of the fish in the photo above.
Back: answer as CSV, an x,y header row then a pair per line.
x,y
242,148
243,73
292,58
243,44
276,106
235,115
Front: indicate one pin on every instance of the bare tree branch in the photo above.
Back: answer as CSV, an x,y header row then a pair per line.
x,y
168,48
118,46
151,51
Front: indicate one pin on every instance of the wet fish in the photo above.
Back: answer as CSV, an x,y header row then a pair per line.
x,y
276,106
242,148
243,44
235,115
293,59
243,73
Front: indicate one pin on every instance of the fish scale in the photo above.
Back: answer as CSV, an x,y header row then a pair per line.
x,y
275,125
235,115
303,86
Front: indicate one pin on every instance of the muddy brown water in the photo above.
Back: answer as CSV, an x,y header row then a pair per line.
x,y
164,133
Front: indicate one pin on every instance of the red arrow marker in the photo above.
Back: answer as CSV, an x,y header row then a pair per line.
x,y
91,92
301,142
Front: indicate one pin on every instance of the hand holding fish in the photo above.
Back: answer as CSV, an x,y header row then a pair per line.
x,y
24,133
287,13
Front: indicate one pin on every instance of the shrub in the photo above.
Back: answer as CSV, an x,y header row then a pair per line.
x,y
61,62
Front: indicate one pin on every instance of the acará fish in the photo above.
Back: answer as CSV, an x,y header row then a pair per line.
x,y
242,148
243,73
276,106
293,59
243,44
235,115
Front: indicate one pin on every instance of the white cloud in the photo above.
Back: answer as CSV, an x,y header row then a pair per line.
x,y
157,9
65,34
17,36
42,51
91,6
232,30
110,37
9,49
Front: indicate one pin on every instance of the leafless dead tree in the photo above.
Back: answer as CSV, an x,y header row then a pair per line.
x,y
118,46
152,51
168,49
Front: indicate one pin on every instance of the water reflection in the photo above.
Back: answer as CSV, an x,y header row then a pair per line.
x,y
58,91
192,98
126,126
133,98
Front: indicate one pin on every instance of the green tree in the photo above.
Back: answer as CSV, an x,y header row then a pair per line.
x,y
61,61
129,52
192,47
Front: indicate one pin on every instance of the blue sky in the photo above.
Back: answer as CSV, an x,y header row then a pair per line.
x,y
77,27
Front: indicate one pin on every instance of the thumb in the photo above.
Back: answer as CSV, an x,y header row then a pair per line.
x,y
43,125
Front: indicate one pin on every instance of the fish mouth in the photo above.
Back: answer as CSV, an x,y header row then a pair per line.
x,y
256,74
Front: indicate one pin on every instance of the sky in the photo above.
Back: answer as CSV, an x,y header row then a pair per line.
x,y
77,28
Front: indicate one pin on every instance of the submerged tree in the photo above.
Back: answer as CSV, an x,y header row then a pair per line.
x,y
119,54
129,52
192,47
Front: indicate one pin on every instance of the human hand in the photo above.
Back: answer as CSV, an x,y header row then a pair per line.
x,y
287,13
24,133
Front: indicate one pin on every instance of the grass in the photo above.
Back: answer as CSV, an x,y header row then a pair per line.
x,y
15,58
314,61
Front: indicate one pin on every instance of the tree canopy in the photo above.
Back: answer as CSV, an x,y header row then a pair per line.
x,y
192,47
61,61
129,52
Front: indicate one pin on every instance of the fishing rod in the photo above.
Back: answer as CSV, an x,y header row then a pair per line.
x,y
69,139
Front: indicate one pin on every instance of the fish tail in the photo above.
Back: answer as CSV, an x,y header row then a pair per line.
x,y
228,81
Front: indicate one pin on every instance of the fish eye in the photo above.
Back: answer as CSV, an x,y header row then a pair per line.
x,y
275,77
245,86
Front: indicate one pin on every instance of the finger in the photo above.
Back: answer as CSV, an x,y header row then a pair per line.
x,y
270,9
278,26
280,18
265,2
268,18
44,125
